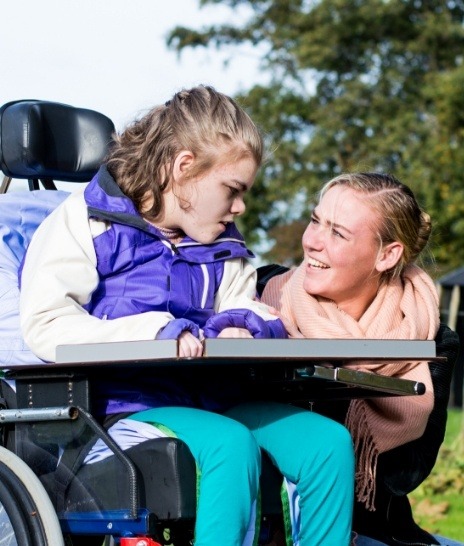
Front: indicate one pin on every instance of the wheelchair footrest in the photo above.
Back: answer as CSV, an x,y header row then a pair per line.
x,y
114,522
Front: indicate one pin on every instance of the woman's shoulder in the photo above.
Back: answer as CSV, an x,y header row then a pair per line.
x,y
271,293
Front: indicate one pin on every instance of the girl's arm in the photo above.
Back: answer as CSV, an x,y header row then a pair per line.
x,y
59,277
237,304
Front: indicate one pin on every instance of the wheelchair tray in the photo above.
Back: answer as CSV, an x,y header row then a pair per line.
x,y
292,370
227,350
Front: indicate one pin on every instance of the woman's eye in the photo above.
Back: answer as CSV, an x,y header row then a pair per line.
x,y
337,233
233,191
313,220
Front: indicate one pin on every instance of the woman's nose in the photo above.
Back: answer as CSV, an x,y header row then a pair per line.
x,y
312,237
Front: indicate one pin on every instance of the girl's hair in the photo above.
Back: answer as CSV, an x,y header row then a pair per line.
x,y
400,217
209,124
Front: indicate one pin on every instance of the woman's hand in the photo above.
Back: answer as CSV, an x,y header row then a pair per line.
x,y
189,345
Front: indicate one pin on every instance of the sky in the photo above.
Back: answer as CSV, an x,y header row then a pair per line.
x,y
111,55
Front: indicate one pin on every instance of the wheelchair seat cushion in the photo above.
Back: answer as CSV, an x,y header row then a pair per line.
x,y
20,215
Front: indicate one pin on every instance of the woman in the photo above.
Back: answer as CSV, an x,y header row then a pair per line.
x,y
358,280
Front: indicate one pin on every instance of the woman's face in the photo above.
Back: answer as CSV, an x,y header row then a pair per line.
x,y
341,250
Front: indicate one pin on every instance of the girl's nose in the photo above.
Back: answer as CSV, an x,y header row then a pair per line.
x,y
238,206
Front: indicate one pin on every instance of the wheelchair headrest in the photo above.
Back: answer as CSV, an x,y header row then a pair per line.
x,y
43,139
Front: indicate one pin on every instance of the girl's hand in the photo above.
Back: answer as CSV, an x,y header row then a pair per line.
x,y
235,333
189,345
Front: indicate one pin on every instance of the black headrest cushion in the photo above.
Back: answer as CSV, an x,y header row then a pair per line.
x,y
43,139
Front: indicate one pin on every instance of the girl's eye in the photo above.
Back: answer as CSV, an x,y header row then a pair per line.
x,y
233,191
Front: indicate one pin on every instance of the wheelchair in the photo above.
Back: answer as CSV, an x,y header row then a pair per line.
x,y
145,495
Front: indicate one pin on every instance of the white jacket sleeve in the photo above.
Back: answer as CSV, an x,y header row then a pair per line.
x,y
238,289
59,277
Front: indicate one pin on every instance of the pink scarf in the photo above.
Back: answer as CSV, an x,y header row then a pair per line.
x,y
405,308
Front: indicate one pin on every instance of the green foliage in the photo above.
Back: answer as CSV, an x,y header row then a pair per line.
x,y
438,503
353,85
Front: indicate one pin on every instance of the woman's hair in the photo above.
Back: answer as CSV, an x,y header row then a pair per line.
x,y
209,124
400,217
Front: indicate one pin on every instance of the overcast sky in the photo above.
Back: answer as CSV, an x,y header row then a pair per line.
x,y
110,55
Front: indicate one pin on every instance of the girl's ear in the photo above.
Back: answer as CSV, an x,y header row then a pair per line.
x,y
389,256
183,161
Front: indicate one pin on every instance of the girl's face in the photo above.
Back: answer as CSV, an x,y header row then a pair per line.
x,y
211,201
342,251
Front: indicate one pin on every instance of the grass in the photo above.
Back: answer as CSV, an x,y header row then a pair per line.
x,y
438,503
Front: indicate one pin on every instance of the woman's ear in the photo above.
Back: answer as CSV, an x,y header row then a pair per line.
x,y
183,161
389,256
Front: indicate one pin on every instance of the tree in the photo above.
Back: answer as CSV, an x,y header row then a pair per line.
x,y
353,85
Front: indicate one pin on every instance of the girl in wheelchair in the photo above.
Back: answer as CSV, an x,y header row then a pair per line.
x,y
149,250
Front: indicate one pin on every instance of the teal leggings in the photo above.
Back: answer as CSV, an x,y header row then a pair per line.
x,y
313,452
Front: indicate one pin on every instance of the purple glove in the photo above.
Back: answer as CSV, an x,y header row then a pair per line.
x,y
244,318
173,329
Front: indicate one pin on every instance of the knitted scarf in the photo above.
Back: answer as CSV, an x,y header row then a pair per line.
x,y
404,308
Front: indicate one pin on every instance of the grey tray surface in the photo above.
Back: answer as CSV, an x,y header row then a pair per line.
x,y
308,368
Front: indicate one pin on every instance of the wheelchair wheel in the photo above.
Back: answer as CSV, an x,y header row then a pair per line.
x,y
27,516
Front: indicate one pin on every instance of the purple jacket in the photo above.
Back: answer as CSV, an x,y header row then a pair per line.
x,y
141,271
